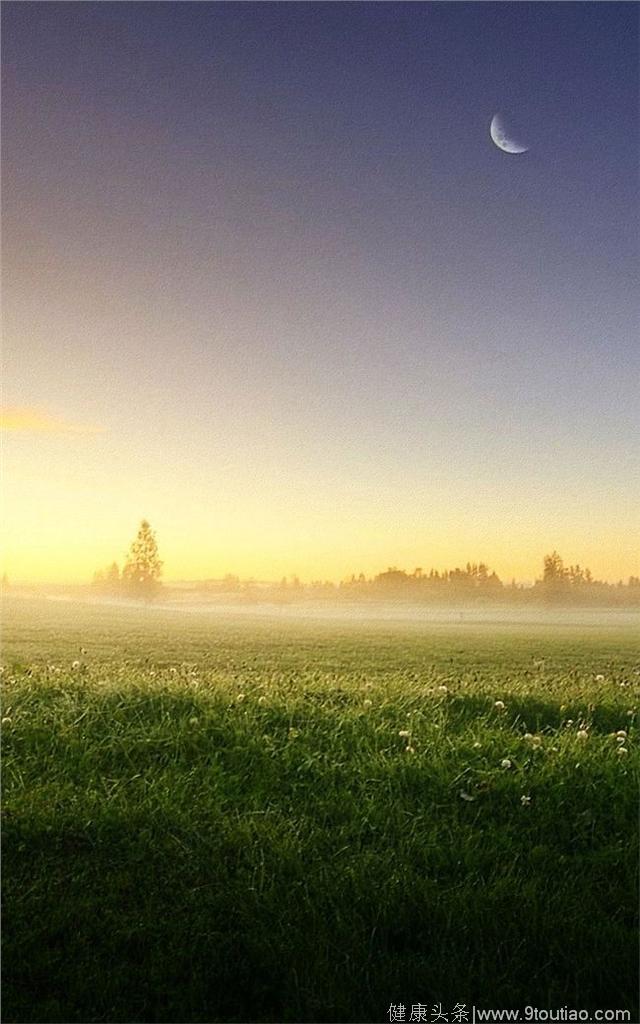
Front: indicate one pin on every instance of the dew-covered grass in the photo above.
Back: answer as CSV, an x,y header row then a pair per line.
x,y
210,819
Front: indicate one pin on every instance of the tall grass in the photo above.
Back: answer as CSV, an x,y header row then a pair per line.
x,y
238,821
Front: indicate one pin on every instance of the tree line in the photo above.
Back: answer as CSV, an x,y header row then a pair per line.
x,y
559,584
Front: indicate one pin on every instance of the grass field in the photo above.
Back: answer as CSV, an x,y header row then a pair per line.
x,y
215,819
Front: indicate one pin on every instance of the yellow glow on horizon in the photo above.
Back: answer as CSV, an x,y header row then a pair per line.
x,y
73,503
73,540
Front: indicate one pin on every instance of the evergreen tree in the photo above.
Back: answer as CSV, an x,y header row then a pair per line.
x,y
143,567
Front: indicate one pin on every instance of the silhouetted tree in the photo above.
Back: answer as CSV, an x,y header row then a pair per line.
x,y
554,569
143,568
107,580
555,578
112,576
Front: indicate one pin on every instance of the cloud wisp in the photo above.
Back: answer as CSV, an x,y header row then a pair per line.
x,y
31,420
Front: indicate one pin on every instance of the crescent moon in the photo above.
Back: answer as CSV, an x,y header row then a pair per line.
x,y
501,139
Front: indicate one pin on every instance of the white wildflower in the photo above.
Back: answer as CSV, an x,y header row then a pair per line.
x,y
622,750
525,800
75,664
466,796
499,705
582,734
599,678
477,745
505,763
404,734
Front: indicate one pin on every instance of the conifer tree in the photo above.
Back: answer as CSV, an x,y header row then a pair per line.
x,y
143,567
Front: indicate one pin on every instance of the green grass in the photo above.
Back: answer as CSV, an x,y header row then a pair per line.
x,y
219,820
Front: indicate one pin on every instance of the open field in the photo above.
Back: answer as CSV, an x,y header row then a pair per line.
x,y
211,818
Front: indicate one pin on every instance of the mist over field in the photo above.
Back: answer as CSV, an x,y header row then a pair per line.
x,y
178,604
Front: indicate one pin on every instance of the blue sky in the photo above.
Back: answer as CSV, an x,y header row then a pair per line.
x,y
273,248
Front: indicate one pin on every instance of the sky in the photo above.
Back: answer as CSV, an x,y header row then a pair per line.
x,y
269,283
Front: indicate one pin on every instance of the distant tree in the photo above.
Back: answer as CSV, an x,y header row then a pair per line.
x,y
112,575
555,578
554,569
392,577
107,580
143,568
230,583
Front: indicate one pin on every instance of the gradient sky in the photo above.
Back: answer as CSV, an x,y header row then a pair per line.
x,y
269,283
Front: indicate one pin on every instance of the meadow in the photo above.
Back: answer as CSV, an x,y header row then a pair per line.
x,y
211,818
